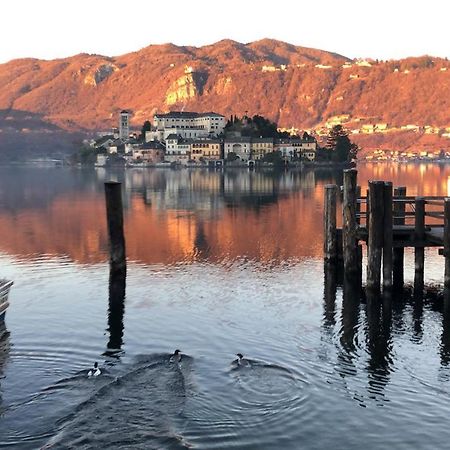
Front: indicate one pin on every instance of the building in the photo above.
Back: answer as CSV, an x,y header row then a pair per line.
x,y
124,124
178,150
203,150
260,147
210,122
241,146
296,148
148,153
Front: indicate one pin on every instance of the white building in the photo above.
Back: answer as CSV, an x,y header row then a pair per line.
x,y
178,150
210,122
296,148
241,146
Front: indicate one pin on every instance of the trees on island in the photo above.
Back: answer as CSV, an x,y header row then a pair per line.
x,y
256,126
339,147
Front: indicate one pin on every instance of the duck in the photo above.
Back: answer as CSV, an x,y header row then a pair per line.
x,y
95,371
241,361
176,357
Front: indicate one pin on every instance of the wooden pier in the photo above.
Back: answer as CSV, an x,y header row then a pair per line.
x,y
387,221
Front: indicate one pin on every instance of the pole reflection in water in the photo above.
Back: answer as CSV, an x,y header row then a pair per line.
x,y
445,338
4,354
329,295
116,309
379,344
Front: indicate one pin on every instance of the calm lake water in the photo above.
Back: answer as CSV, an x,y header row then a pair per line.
x,y
218,264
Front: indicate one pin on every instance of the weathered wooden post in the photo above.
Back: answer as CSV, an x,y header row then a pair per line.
x,y
388,236
419,237
399,219
330,234
349,224
114,213
375,235
447,243
358,205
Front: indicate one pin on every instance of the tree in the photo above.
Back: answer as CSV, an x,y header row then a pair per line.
x,y
341,148
232,157
274,158
146,127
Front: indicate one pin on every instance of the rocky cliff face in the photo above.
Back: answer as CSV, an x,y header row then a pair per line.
x,y
294,86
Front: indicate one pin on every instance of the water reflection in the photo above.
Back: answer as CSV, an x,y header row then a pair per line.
x,y
116,310
4,355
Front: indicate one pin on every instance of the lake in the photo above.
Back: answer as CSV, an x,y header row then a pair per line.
x,y
218,263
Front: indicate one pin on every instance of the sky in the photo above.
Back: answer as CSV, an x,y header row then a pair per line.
x,y
383,29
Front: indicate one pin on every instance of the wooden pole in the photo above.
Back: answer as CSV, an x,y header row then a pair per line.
x,y
419,236
398,255
330,234
358,205
349,225
388,237
447,243
375,235
114,214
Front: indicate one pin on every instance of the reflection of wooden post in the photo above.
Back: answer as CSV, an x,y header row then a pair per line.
x,y
329,297
447,243
398,255
117,283
419,237
349,225
330,235
114,213
375,237
388,237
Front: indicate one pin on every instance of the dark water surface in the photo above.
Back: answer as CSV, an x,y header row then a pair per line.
x,y
218,264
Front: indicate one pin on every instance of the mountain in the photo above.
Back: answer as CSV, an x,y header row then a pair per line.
x,y
292,85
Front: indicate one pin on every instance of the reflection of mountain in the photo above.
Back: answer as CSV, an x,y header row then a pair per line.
x,y
169,215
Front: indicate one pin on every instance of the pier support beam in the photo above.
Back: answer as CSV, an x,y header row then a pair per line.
x,y
447,243
419,236
349,225
330,250
114,213
388,237
399,253
375,235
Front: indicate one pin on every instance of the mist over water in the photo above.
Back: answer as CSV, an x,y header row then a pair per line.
x,y
219,264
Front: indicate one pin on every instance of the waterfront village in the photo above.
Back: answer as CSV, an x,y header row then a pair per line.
x,y
195,139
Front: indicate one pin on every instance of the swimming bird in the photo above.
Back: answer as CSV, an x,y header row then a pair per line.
x,y
241,361
176,357
95,371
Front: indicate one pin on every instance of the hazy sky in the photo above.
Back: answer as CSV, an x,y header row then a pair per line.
x,y
382,29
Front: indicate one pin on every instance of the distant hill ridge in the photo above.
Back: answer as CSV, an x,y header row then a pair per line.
x,y
292,85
